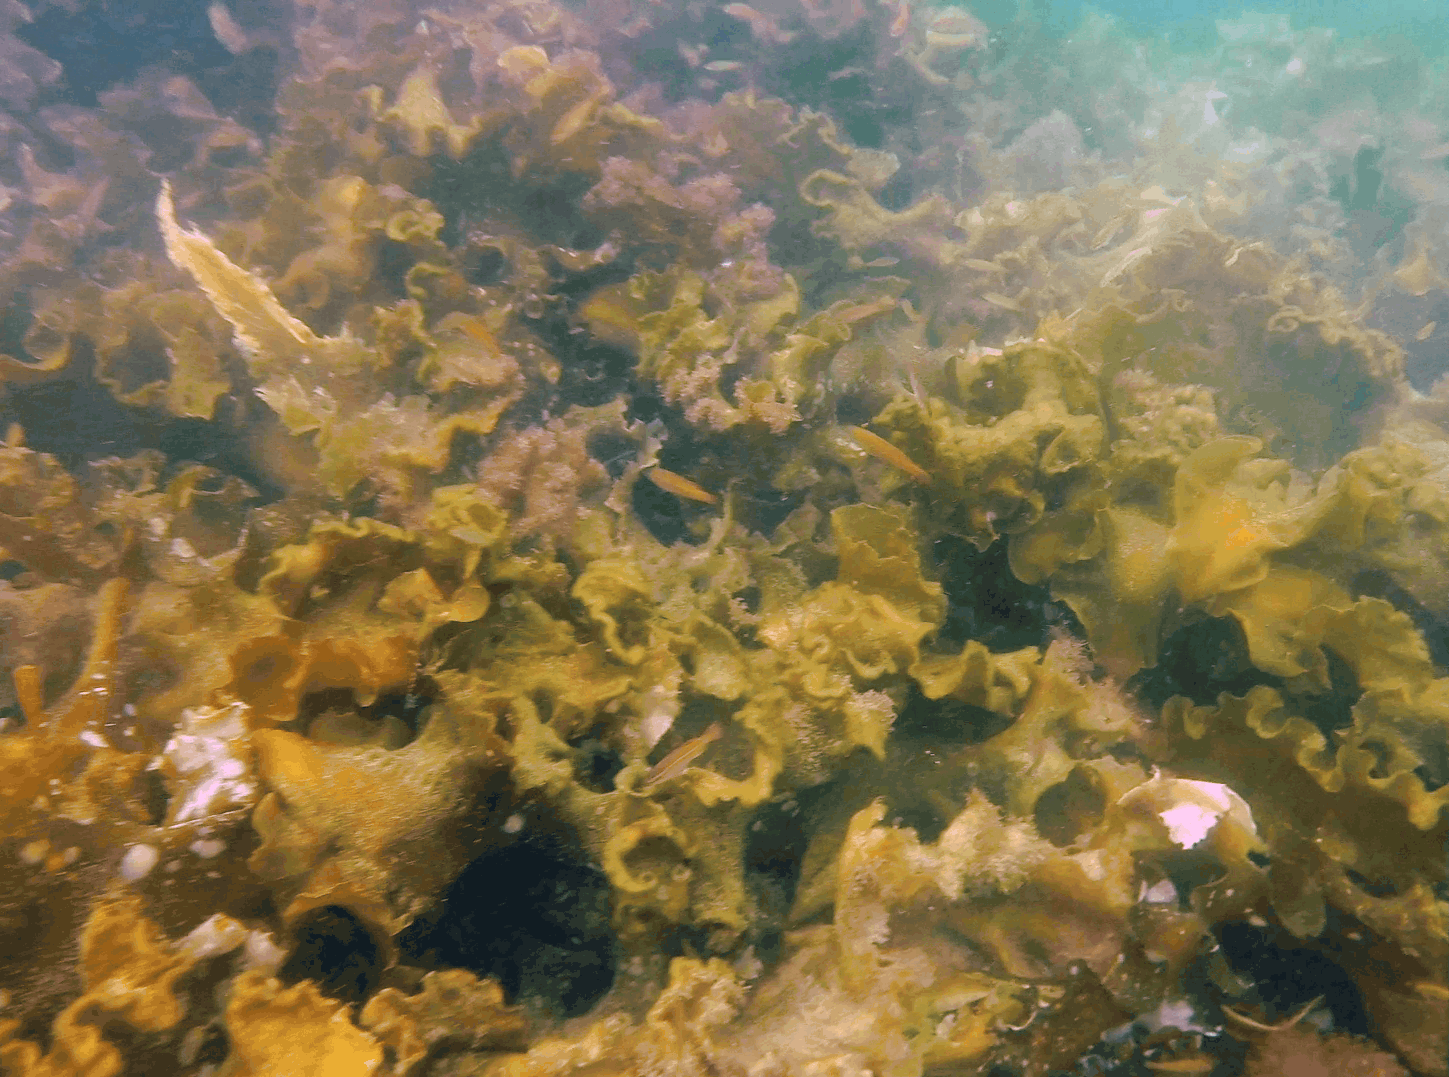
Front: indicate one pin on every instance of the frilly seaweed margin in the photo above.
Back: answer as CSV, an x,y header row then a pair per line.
x,y
1090,378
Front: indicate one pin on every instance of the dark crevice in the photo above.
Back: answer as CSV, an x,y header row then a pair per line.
x,y
667,516
775,846
534,917
1070,808
153,796
465,452
1333,710
596,763
1200,661
852,410
1286,972
337,951
1209,658
614,449
592,373
99,45
1376,583
987,603
12,718
78,420
763,508
948,722
408,708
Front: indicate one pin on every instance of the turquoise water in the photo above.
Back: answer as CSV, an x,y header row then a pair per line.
x,y
1190,24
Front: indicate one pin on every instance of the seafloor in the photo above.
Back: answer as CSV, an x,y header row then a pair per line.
x,y
662,538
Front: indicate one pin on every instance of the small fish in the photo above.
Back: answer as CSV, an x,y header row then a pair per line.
x,y
758,20
1281,1026
1126,262
232,37
761,25
1110,229
679,486
996,299
723,65
956,29
479,331
902,21
860,311
1427,331
575,119
882,449
677,762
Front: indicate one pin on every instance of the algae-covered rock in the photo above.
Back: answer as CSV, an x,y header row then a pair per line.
x,y
743,539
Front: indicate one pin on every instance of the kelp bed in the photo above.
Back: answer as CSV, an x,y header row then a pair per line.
x,y
656,538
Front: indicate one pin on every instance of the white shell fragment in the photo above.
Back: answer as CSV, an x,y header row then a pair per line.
x,y
207,848
207,764
138,862
1191,811
218,934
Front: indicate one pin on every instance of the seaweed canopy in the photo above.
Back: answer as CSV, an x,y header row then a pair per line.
x,y
709,596
328,387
